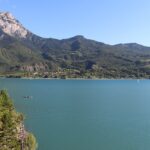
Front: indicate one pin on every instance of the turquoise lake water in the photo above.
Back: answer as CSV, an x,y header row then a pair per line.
x,y
85,114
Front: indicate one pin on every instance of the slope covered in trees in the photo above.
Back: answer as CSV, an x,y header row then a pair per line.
x,y
13,136
23,52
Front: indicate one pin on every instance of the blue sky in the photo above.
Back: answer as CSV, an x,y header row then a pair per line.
x,y
109,21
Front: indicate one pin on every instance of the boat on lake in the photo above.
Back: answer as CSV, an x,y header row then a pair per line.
x,y
27,97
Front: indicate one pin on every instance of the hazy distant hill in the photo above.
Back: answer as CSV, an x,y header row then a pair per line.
x,y
21,50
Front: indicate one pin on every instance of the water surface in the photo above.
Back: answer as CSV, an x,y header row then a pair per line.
x,y
85,114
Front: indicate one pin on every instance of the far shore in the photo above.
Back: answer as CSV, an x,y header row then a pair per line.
x,y
40,78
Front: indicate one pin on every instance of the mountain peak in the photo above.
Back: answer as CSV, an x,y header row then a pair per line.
x,y
78,37
7,15
11,26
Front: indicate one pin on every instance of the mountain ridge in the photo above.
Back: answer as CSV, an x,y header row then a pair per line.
x,y
23,51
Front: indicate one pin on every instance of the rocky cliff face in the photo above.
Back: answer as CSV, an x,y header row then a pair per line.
x,y
34,68
11,26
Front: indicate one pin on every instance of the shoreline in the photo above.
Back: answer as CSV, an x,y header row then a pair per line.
x,y
101,79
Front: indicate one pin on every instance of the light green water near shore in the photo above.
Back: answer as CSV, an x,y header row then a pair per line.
x,y
85,114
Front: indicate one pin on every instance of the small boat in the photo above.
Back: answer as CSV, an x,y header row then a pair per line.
x,y
27,97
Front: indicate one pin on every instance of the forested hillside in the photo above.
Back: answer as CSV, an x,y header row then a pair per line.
x,y
13,135
23,53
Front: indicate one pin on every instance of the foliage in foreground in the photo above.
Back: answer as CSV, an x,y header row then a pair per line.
x,y
10,127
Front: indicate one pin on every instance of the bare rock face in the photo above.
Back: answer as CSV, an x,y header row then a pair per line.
x,y
11,26
35,67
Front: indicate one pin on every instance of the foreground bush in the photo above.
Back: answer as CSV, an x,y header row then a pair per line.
x,y
13,135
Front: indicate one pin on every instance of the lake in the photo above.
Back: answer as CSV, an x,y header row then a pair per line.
x,y
84,114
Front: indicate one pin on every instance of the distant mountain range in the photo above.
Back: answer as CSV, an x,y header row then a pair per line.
x,y
23,51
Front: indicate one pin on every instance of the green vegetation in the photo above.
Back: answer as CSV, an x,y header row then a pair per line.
x,y
10,127
75,57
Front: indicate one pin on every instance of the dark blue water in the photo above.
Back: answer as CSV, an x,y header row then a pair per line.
x,y
85,114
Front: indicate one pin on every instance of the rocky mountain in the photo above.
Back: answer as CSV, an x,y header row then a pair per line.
x,y
23,51
11,26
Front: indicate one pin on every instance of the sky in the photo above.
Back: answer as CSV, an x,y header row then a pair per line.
x,y
108,21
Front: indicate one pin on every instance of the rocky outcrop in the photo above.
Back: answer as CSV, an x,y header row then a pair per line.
x,y
11,26
35,67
